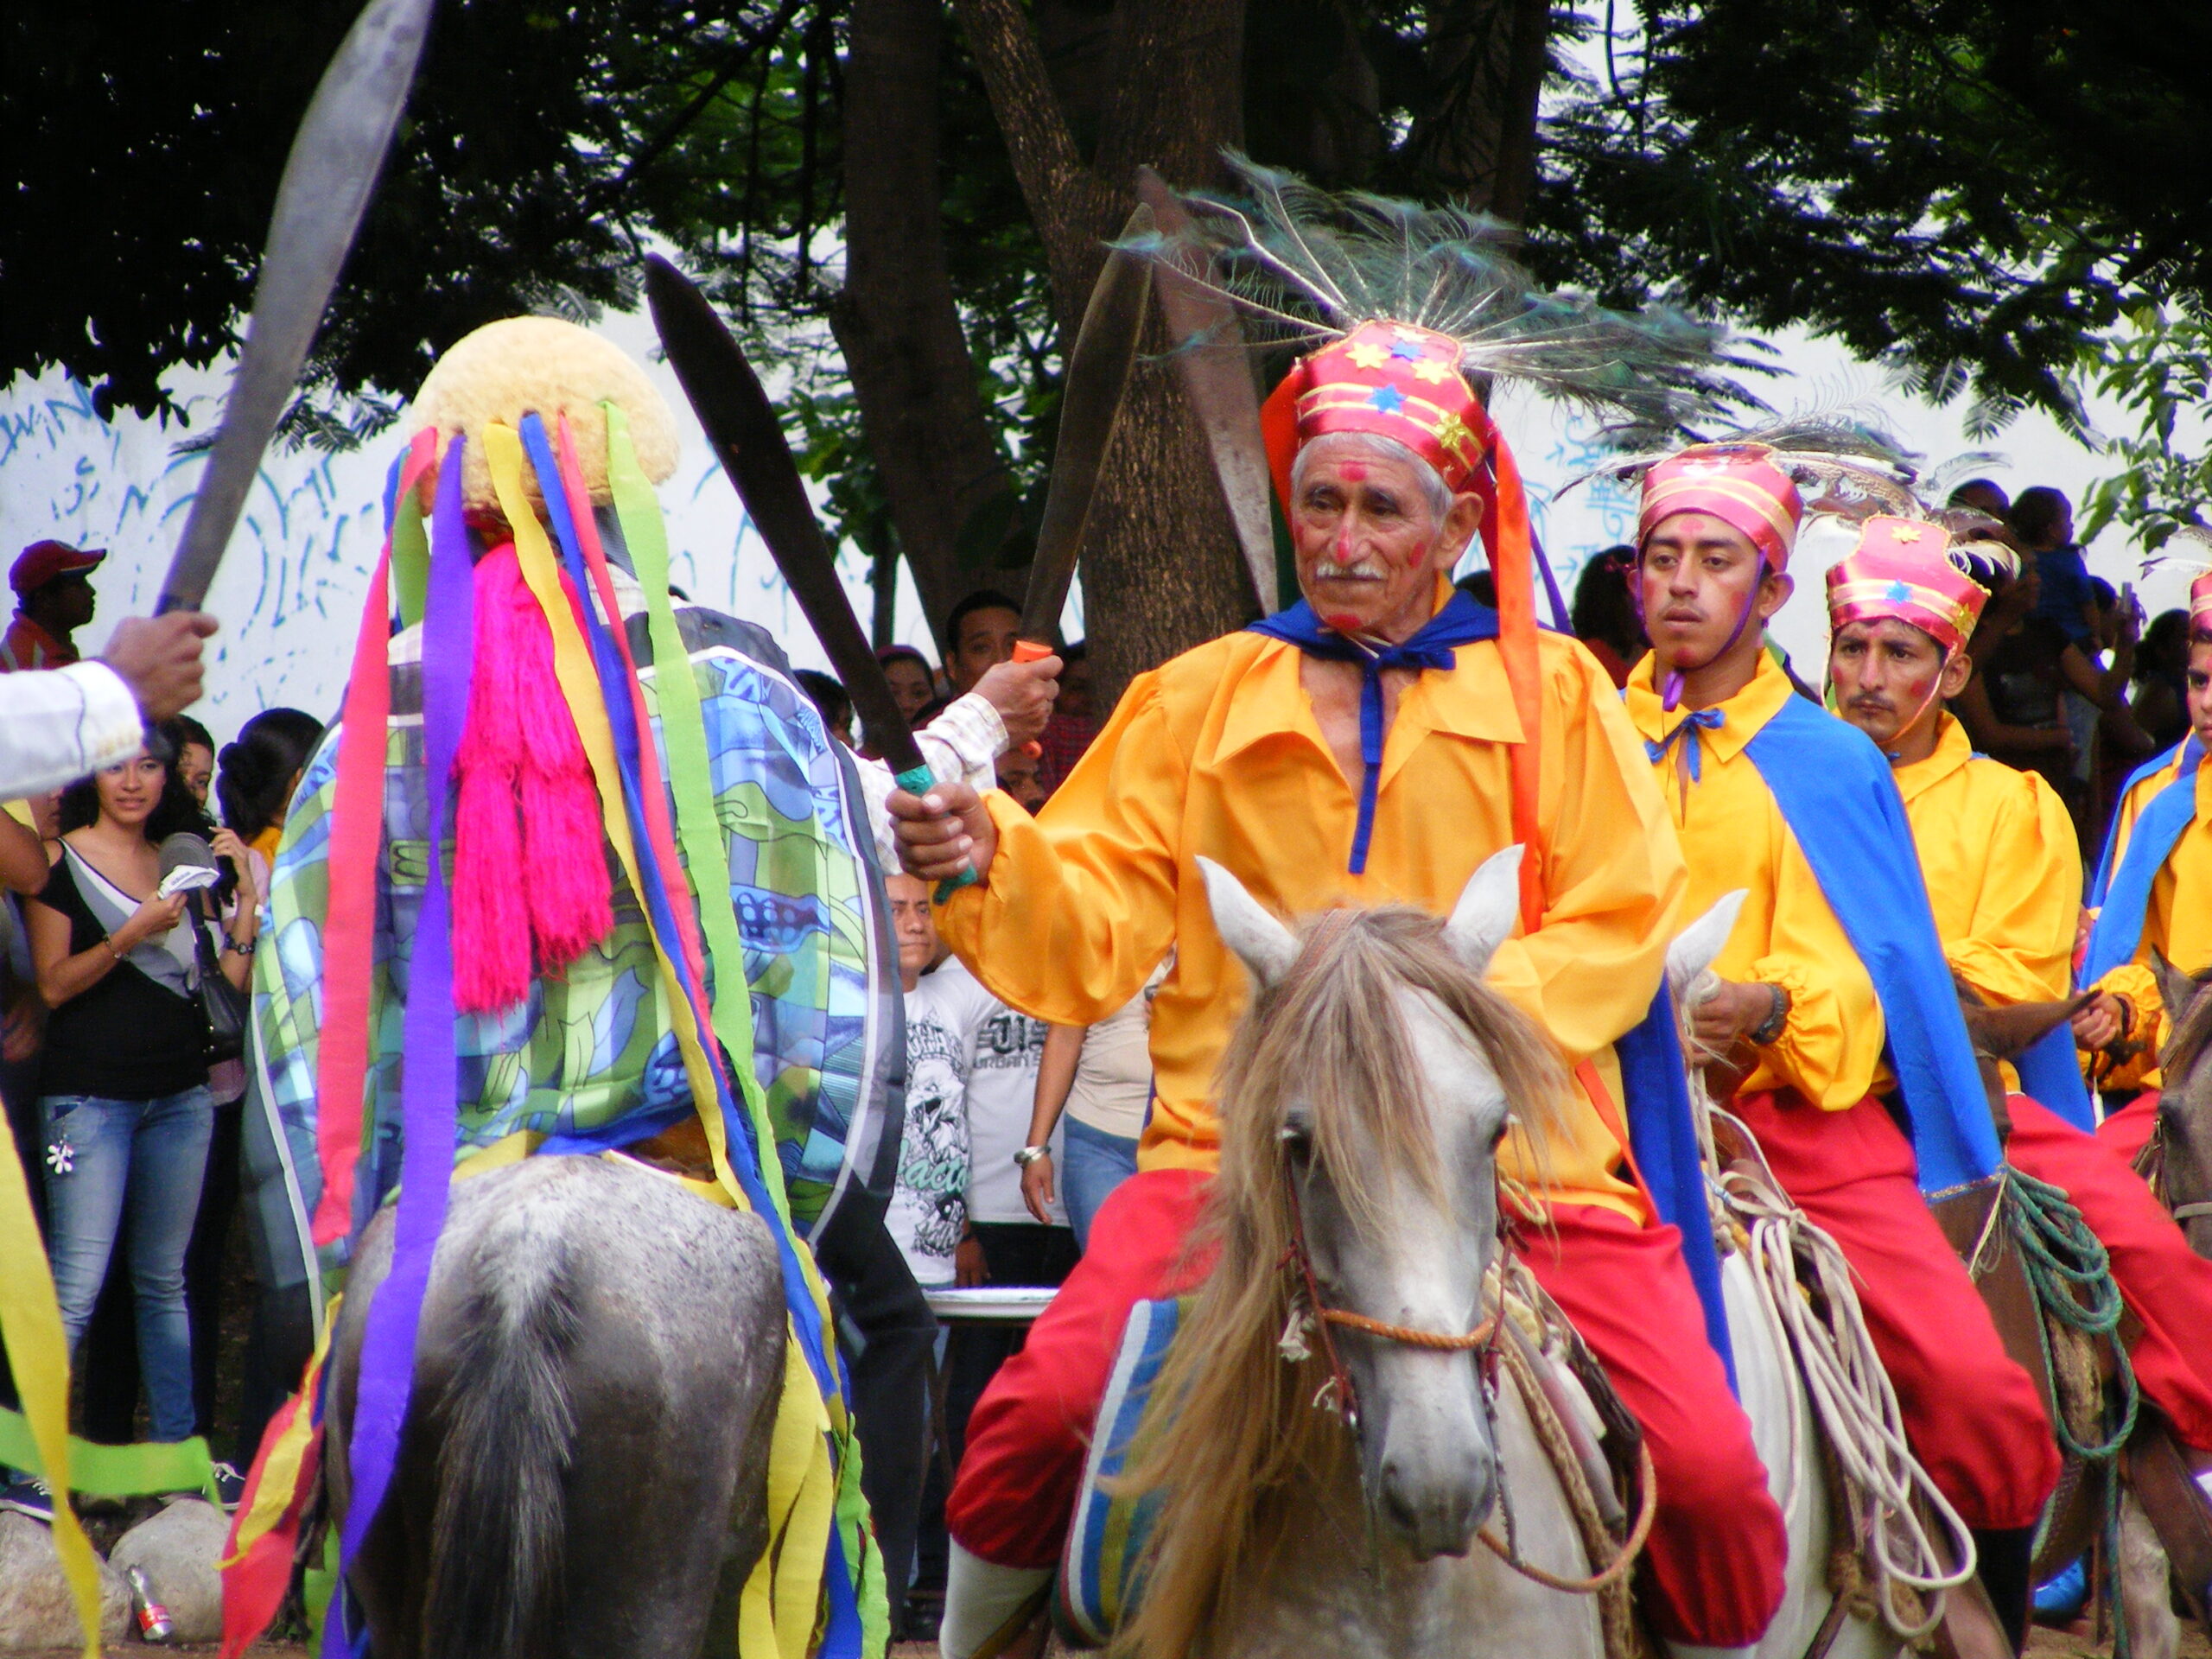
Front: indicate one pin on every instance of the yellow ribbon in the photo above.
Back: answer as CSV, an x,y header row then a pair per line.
x,y
38,1353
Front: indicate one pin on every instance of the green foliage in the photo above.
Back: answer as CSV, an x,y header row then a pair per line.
x,y
2159,367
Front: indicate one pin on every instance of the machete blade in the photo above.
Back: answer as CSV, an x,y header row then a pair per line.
x,y
1090,402
1210,360
328,178
749,442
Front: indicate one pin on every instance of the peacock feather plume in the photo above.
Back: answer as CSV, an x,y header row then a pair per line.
x,y
1303,267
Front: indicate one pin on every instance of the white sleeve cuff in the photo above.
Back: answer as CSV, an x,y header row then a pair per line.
x,y
115,728
980,1597
963,744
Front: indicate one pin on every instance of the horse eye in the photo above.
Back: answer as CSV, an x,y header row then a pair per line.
x,y
1297,1137
1506,1126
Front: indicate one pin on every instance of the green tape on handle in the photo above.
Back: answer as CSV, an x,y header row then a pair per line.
x,y
919,781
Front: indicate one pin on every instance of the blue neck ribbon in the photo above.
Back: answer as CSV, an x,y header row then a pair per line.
x,y
1461,622
1699,720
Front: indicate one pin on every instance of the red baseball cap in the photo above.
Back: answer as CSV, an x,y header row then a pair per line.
x,y
42,562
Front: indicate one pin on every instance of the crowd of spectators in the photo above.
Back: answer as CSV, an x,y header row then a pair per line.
x,y
127,931
984,1082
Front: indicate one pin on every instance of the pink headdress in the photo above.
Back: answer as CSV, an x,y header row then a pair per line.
x,y
1901,568
1738,484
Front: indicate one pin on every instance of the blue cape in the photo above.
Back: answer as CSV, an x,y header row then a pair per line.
x,y
2125,892
1837,795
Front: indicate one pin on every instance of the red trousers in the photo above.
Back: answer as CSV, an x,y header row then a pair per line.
x,y
2166,1286
1974,1418
1717,1549
2128,1130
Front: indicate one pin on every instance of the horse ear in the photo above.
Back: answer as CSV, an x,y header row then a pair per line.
x,y
1263,945
1484,917
1699,945
2177,989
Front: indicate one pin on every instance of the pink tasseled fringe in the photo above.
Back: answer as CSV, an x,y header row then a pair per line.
x,y
529,864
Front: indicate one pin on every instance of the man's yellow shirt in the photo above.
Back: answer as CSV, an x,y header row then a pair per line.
x,y
1218,753
2178,923
1733,835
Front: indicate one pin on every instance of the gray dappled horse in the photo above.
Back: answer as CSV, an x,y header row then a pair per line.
x,y
583,1469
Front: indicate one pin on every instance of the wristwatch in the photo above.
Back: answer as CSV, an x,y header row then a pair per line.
x,y
1029,1155
1771,1028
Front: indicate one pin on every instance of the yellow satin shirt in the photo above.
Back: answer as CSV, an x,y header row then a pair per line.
x,y
2003,867
1218,752
2177,921
1733,835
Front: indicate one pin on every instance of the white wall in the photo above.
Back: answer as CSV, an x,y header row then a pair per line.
x,y
290,590
291,587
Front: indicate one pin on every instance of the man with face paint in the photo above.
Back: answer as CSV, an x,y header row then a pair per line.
x,y
1834,990
1997,848
2153,891
1358,747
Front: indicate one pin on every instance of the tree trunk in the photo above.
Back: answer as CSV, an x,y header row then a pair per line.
x,y
1478,139
1160,572
896,319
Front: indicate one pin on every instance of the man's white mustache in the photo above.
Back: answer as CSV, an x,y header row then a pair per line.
x,y
1364,571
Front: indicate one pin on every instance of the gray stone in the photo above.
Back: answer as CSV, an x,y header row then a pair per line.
x,y
36,1612
178,1549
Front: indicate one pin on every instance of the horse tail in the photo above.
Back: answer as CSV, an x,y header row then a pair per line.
x,y
499,1554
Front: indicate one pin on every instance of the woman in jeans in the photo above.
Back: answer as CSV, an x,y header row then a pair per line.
x,y
1101,1076
125,1109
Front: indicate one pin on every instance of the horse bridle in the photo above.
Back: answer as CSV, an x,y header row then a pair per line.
x,y
1337,1391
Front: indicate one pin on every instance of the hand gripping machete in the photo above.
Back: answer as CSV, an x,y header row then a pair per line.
x,y
1090,402
328,179
741,425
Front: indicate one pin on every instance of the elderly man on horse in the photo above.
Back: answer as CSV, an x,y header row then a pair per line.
x,y
1375,743
1834,993
2153,893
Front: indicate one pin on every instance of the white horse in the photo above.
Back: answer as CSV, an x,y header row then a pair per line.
x,y
1362,1100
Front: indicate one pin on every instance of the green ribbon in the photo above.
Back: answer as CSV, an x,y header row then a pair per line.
x,y
699,835
690,779
139,1471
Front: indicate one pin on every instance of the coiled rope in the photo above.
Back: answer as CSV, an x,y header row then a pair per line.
x,y
2070,1273
1852,1395
1843,1377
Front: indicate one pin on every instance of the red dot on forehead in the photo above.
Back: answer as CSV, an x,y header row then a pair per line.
x,y
1354,471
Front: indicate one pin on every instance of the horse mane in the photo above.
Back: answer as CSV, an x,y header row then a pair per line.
x,y
1236,1429
2192,1033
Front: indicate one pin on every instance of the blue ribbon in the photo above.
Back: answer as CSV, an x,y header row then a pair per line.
x,y
1706,720
1461,622
1657,1083
2125,892
430,1083
1837,794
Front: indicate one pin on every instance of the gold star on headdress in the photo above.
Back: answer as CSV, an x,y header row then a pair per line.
x,y
1908,533
1433,370
1368,355
1453,432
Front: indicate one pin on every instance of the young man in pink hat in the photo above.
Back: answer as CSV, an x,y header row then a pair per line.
x,y
1836,1034
54,599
